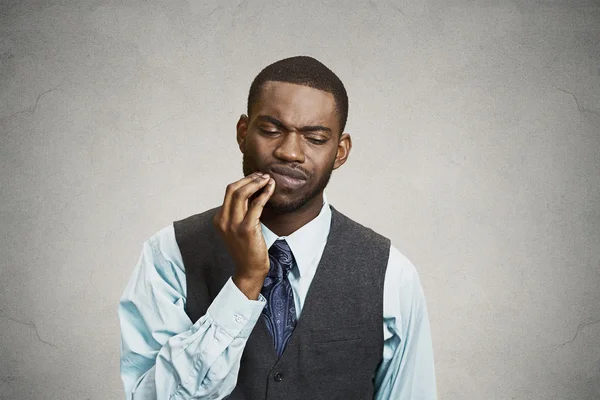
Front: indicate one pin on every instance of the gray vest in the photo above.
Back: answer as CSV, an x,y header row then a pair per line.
x,y
337,344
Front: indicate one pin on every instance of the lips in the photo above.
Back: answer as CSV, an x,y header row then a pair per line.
x,y
289,172
288,178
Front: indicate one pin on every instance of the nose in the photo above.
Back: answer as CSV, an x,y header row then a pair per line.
x,y
289,148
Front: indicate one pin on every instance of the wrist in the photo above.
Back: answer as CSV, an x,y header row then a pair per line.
x,y
250,286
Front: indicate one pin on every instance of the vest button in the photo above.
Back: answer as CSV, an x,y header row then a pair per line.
x,y
278,377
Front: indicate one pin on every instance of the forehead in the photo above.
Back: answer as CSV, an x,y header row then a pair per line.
x,y
296,105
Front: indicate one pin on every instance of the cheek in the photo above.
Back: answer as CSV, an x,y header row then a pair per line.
x,y
326,162
258,159
253,149
257,147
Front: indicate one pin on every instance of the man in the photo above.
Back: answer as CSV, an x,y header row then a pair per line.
x,y
276,294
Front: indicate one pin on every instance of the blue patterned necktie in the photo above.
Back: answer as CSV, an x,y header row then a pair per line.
x,y
280,311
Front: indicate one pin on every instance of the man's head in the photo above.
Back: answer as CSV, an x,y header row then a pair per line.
x,y
297,111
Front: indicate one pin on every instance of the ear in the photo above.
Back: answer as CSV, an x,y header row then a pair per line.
x,y
343,150
242,129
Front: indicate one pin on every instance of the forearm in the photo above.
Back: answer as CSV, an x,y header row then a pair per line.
x,y
192,364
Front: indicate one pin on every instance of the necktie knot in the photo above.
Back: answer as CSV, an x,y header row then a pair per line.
x,y
281,258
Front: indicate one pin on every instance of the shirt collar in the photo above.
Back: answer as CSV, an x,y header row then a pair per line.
x,y
306,239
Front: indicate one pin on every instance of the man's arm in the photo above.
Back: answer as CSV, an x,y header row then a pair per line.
x,y
164,355
407,370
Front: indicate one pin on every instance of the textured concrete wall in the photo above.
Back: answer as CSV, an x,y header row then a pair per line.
x,y
476,131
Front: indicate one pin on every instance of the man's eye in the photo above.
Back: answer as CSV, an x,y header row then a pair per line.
x,y
317,141
268,132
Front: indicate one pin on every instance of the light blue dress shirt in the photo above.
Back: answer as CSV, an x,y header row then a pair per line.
x,y
165,356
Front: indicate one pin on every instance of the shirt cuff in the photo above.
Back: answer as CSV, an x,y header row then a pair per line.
x,y
235,313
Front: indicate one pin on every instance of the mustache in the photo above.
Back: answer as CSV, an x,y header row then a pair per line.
x,y
294,172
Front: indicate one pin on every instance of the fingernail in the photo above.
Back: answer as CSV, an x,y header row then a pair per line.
x,y
265,176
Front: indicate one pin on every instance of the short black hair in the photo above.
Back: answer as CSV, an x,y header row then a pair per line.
x,y
306,71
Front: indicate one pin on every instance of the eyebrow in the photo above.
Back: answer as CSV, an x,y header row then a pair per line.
x,y
279,124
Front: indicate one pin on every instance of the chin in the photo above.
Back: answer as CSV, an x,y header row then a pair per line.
x,y
282,206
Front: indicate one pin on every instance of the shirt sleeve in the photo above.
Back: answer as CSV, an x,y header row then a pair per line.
x,y
164,355
407,371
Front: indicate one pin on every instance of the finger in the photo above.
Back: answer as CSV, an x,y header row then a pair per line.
x,y
239,205
258,204
229,191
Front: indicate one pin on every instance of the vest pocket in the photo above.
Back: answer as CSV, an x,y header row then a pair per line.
x,y
338,360
340,335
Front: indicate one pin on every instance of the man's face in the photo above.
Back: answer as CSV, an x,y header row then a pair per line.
x,y
292,127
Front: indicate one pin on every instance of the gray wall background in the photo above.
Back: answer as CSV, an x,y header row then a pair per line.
x,y
476,132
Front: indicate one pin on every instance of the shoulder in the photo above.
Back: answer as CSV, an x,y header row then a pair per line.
x,y
163,239
165,250
196,219
165,242
158,269
189,230
356,229
401,271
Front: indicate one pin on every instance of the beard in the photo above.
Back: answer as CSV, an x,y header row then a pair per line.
x,y
280,206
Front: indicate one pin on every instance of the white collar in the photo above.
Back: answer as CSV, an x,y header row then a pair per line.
x,y
305,239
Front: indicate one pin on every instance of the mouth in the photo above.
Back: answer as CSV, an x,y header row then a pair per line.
x,y
286,171
290,179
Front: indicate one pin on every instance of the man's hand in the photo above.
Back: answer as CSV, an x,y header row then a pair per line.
x,y
239,224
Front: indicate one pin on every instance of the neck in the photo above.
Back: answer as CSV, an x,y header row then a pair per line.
x,y
286,224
